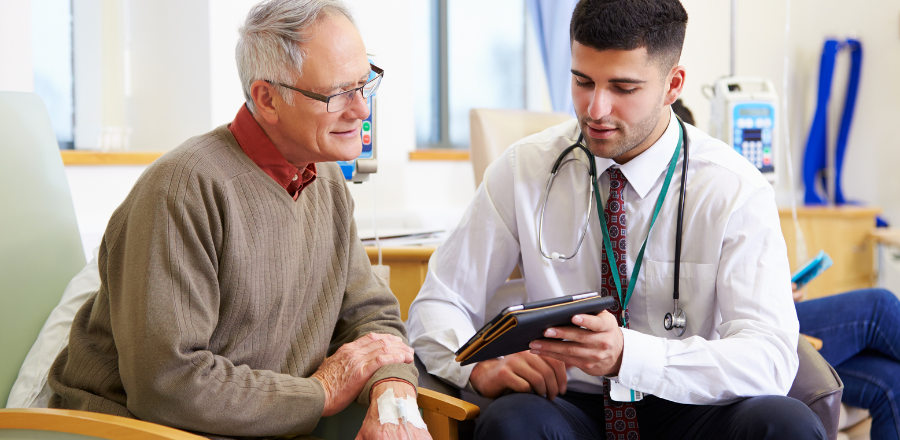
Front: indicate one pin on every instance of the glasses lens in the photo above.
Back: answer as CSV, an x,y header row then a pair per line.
x,y
339,102
369,89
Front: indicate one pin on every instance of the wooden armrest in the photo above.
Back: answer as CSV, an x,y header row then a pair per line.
x,y
815,342
445,405
442,412
89,424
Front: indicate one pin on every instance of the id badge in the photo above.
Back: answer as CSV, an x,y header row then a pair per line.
x,y
620,393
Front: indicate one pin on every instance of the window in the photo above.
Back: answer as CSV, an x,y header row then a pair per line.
x,y
51,32
474,54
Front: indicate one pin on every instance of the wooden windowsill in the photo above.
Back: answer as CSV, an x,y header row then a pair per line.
x,y
844,211
91,157
440,154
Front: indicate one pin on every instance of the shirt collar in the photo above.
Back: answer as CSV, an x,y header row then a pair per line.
x,y
644,170
260,149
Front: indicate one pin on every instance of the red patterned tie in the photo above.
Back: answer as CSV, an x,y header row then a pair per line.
x,y
621,418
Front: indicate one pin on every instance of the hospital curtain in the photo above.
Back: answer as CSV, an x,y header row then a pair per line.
x,y
551,23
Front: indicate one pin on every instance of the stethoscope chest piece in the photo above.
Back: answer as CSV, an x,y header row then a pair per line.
x,y
676,321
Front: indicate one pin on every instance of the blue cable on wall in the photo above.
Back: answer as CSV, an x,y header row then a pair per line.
x,y
815,158
847,118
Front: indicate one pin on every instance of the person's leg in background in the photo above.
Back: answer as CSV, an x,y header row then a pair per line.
x,y
860,331
871,381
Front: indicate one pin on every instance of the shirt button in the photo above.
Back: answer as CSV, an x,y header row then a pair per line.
x,y
634,381
295,177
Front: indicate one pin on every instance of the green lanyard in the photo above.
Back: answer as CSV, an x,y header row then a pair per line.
x,y
640,258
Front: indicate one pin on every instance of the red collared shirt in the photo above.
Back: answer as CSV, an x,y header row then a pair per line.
x,y
260,149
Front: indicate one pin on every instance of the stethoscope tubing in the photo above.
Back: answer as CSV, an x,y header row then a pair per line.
x,y
592,171
680,221
677,319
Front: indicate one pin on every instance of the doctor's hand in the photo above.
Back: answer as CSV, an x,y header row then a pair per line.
x,y
520,372
596,348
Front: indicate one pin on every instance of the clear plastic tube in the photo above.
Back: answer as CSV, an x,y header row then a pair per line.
x,y
801,254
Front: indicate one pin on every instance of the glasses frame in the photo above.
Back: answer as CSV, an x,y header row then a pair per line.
x,y
379,74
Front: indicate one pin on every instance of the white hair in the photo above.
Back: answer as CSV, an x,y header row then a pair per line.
x,y
269,44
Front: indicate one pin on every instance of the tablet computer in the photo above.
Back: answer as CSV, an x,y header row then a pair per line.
x,y
515,327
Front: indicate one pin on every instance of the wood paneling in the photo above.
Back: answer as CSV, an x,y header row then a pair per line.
x,y
845,234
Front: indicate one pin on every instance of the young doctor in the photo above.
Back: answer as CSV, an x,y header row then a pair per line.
x,y
725,372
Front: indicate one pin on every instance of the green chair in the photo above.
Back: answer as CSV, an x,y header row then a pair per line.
x,y
40,246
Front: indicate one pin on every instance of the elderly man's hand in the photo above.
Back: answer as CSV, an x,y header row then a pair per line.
x,y
344,373
595,346
520,372
373,429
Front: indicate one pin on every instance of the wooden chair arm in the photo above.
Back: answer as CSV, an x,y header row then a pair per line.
x,y
442,413
445,405
815,342
89,424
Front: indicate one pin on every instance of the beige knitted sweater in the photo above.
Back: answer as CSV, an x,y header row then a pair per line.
x,y
221,296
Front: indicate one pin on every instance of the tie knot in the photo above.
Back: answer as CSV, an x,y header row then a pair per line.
x,y
617,179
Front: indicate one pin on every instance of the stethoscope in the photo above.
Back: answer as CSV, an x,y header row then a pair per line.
x,y
676,320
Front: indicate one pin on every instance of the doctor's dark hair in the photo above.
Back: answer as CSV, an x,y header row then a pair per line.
x,y
657,25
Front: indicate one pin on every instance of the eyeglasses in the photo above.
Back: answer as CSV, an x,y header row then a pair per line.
x,y
340,101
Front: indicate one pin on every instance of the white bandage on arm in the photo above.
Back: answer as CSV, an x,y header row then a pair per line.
x,y
392,410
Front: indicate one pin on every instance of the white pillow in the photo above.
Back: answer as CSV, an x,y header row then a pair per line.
x,y
31,389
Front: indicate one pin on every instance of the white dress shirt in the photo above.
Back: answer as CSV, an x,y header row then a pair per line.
x,y
742,328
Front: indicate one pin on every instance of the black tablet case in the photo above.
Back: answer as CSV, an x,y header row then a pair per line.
x,y
512,332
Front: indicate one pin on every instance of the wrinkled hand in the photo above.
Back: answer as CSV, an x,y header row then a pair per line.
x,y
520,372
372,427
596,349
344,373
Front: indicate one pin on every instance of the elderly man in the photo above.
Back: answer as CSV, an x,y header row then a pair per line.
x,y
233,268
621,374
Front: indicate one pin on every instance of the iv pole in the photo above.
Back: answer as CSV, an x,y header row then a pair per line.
x,y
733,37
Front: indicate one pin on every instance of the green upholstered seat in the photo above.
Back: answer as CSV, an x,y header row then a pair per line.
x,y
40,246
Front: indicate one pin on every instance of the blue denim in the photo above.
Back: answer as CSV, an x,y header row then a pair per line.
x,y
860,331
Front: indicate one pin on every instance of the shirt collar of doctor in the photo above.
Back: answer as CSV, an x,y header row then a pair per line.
x,y
644,170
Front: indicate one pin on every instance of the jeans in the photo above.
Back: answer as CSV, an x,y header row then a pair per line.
x,y
521,416
860,331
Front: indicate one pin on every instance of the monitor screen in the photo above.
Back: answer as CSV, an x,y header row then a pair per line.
x,y
754,111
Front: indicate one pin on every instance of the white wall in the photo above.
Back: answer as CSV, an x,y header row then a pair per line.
x,y
96,192
169,100
225,17
16,73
